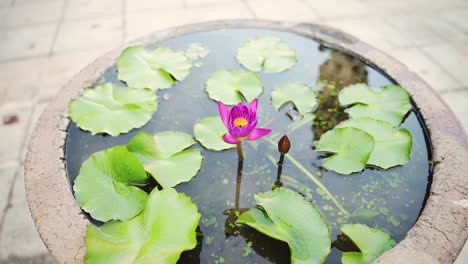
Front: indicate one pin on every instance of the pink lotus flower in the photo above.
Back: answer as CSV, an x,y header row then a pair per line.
x,y
241,122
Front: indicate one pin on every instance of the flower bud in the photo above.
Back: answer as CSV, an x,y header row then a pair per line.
x,y
284,145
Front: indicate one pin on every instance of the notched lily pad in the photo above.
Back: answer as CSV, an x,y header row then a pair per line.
x,y
157,69
266,53
352,148
209,132
372,243
165,229
228,85
392,146
166,157
390,103
289,217
111,109
302,96
105,185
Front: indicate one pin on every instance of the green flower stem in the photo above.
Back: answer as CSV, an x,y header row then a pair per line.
x,y
312,177
240,153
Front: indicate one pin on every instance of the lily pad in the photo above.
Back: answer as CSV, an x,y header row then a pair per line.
x,y
390,103
352,146
300,95
112,109
209,132
289,217
165,229
372,242
157,69
228,85
165,156
266,53
105,187
392,146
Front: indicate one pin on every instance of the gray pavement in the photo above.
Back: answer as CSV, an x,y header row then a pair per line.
x,y
43,43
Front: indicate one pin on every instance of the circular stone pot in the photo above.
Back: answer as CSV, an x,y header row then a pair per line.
x,y
437,236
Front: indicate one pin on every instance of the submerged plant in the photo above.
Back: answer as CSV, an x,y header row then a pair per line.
x,y
241,122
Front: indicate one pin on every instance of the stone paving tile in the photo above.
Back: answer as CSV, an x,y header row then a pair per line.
x,y
34,13
21,80
454,59
7,176
143,23
432,73
5,3
13,134
104,33
132,6
275,10
57,70
92,9
26,42
457,18
199,3
18,236
336,8
458,103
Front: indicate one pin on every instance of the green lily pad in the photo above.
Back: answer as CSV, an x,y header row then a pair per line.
x,y
228,85
157,69
372,242
352,146
392,146
165,229
104,186
289,217
209,132
165,156
266,53
391,103
300,95
111,109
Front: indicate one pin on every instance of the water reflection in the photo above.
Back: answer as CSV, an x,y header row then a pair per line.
x,y
339,71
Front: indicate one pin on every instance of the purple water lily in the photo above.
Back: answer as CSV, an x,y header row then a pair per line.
x,y
241,122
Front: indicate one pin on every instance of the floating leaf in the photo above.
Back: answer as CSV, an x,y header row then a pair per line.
x,y
300,95
372,242
112,109
165,156
165,229
157,69
266,53
209,133
391,103
227,85
352,146
392,146
103,187
289,217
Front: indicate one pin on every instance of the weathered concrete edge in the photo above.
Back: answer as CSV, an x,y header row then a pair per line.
x,y
437,237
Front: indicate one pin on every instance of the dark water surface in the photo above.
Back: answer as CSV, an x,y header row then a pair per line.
x,y
395,195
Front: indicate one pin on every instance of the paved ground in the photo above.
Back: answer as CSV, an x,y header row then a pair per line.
x,y
44,42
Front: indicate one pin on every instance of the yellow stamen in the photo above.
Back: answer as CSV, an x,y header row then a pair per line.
x,y
240,122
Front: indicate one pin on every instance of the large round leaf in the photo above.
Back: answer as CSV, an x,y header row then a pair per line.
x,y
209,132
228,85
372,242
352,146
289,217
157,69
266,53
392,146
165,157
165,229
390,103
103,187
111,109
300,95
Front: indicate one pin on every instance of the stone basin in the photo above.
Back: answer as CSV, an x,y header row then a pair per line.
x,y
437,236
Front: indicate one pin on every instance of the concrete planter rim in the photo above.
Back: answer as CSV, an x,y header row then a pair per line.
x,y
437,237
